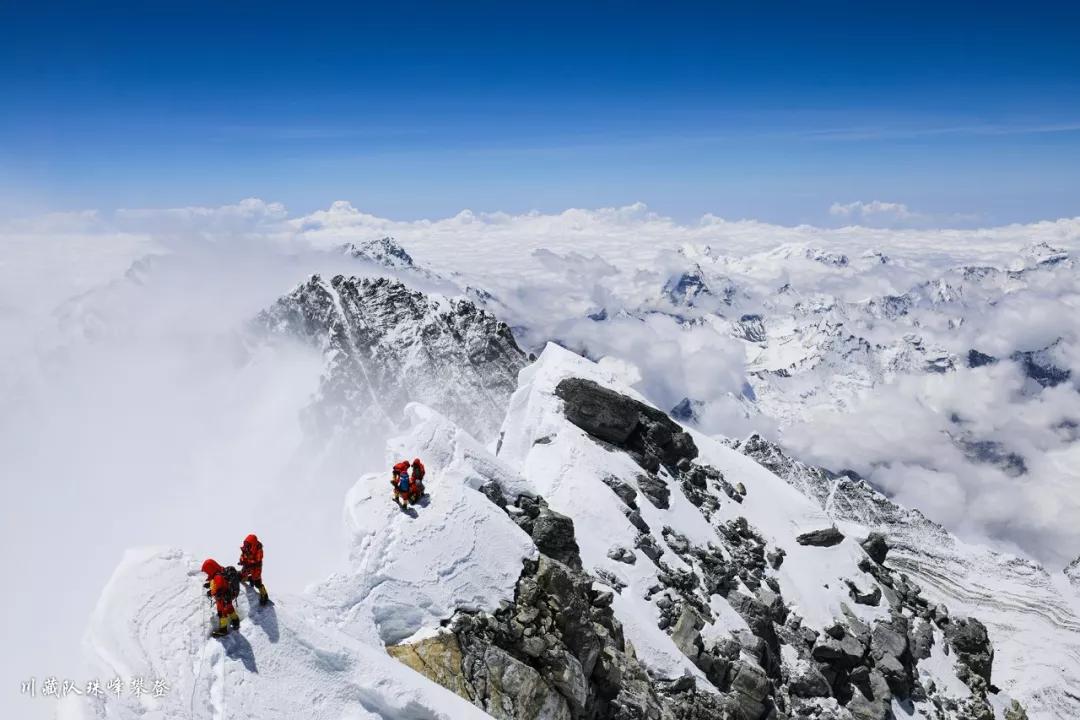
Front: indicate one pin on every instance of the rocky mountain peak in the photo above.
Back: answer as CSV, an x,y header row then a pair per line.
x,y
386,345
382,251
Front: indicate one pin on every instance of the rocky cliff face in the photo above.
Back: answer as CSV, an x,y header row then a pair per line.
x,y
386,345
560,650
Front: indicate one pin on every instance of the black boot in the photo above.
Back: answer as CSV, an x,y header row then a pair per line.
x,y
235,623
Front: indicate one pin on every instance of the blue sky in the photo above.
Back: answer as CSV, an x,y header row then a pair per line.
x,y
964,112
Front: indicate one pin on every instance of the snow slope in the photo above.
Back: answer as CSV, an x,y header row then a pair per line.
x,y
320,654
287,663
409,570
1032,614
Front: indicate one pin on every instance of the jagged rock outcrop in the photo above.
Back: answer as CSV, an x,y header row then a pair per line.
x,y
911,543
557,652
876,547
968,638
651,437
826,537
386,345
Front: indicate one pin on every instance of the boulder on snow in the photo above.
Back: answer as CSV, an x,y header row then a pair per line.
x,y
626,493
654,488
864,596
553,534
635,519
876,546
846,652
652,438
826,537
602,413
622,554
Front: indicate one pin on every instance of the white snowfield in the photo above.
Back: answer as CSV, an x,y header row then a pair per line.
x,y
321,654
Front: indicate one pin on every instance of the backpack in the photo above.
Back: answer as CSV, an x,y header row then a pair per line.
x,y
403,482
231,590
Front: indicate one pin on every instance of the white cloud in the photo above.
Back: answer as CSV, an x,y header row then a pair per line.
x,y
872,209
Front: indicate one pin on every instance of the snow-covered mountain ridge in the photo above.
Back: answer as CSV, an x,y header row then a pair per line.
x,y
697,571
712,588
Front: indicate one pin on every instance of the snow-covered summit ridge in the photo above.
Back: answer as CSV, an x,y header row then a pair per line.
x,y
320,654
384,251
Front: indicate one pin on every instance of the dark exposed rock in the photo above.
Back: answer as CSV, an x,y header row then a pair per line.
x,y
826,537
623,555
750,690
1040,367
648,545
844,653
863,596
751,328
991,452
921,640
652,438
687,410
636,520
808,681
384,251
603,413
609,579
626,493
687,288
655,489
969,640
871,699
977,359
494,492
876,546
677,542
553,534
